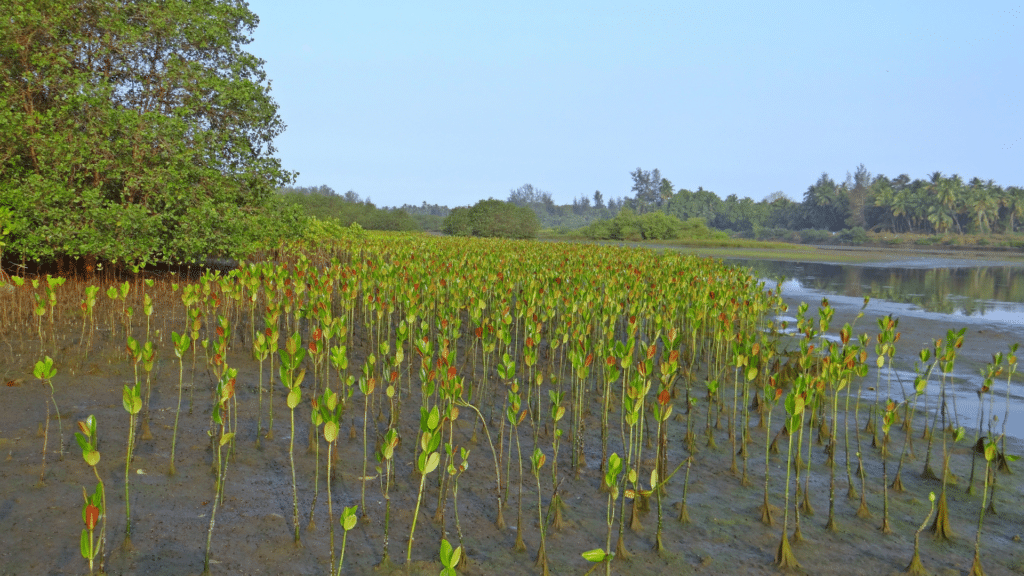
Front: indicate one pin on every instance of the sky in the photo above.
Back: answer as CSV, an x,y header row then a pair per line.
x,y
454,102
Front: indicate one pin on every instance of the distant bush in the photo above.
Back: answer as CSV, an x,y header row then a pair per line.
x,y
856,236
815,236
627,225
492,218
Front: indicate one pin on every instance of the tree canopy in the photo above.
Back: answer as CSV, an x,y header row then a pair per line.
x,y
135,130
492,218
324,203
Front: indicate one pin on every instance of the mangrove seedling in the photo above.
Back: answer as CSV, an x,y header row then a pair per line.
x,y
916,568
131,399
954,340
291,357
426,462
784,557
348,521
386,455
537,461
330,414
221,418
88,441
450,558
45,372
181,344
89,543
991,452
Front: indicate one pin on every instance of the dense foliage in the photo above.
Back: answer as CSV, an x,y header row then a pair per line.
x,y
136,131
939,204
324,203
627,225
492,218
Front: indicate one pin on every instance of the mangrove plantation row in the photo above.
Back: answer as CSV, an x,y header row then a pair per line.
x,y
580,381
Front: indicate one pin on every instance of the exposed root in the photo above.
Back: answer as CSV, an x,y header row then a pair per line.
x,y
684,514
634,519
620,550
805,506
941,528
542,560
862,511
976,569
499,523
916,568
784,555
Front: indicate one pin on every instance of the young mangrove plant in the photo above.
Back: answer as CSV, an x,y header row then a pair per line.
x,y
556,505
991,452
222,419
88,306
426,462
291,357
515,417
181,344
44,372
450,558
455,472
348,521
916,568
610,480
954,340
131,399
771,394
366,385
784,557
260,351
91,545
537,461
329,410
662,410
386,456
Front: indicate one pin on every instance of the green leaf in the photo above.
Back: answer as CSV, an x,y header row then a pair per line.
x,y
456,556
92,457
85,545
446,553
595,555
433,419
226,438
294,397
432,461
331,431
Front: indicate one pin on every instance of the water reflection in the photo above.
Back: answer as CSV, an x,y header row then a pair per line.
x,y
996,292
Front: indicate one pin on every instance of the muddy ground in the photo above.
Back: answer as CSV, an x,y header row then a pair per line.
x,y
253,533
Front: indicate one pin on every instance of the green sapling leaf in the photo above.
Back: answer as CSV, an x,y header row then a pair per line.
x,y
595,555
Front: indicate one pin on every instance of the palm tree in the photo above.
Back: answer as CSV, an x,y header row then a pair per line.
x,y
1013,199
983,204
948,193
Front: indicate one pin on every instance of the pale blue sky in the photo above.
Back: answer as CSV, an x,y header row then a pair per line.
x,y
453,102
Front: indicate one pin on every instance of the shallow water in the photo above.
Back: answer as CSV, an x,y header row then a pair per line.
x,y
930,297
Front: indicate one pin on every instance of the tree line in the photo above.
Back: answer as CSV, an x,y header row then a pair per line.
x,y
938,204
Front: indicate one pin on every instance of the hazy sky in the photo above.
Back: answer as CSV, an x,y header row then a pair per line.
x,y
453,102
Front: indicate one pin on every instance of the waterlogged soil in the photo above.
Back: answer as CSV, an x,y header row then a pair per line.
x,y
255,527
